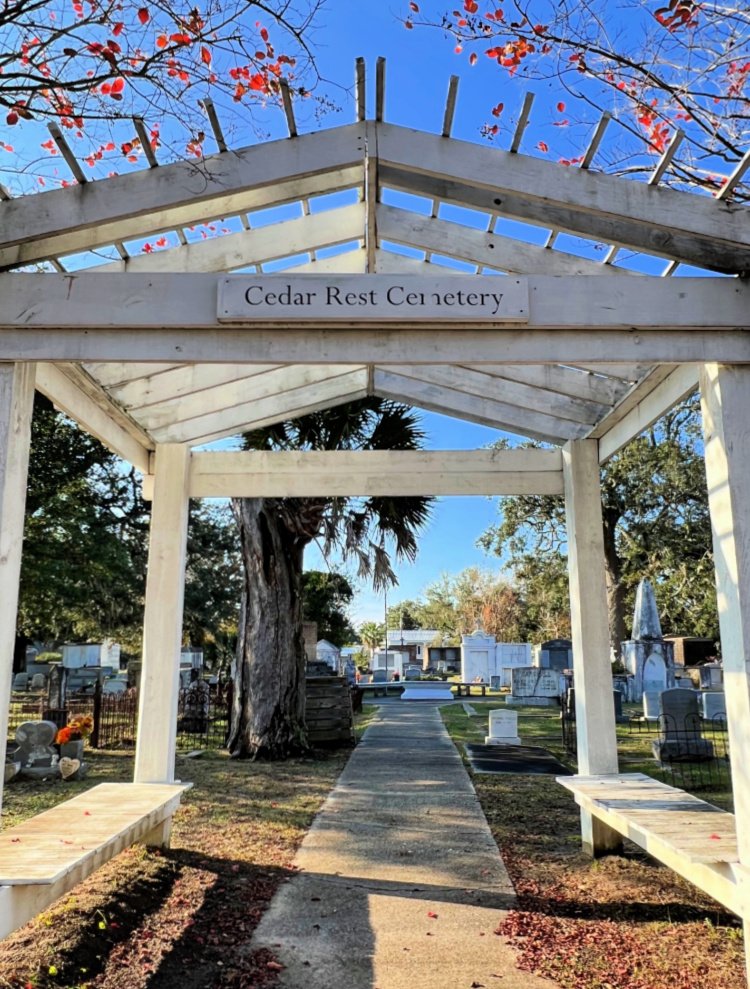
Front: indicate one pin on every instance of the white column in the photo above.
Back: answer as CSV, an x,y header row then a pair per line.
x,y
162,620
725,401
16,406
595,711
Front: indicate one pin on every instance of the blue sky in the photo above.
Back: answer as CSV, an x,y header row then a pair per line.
x,y
419,65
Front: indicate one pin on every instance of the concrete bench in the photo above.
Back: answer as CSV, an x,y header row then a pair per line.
x,y
689,835
47,855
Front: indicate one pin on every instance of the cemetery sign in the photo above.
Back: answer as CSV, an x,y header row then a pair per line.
x,y
280,298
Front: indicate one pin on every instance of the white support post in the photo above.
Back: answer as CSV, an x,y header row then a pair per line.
x,y
162,622
16,405
595,710
725,401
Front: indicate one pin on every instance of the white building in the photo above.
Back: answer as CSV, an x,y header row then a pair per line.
x,y
418,638
483,657
327,652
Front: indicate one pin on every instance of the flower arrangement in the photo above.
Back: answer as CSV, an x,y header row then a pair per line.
x,y
78,728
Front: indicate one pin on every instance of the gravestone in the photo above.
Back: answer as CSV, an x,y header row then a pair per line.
x,y
114,687
412,673
534,687
647,656
620,718
711,675
35,752
651,709
38,681
680,724
379,676
503,729
714,705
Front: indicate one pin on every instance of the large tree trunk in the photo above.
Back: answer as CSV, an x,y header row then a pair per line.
x,y
268,716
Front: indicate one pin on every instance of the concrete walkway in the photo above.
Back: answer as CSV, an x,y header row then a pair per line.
x,y
401,884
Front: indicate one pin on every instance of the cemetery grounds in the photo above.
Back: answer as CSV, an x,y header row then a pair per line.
x,y
183,917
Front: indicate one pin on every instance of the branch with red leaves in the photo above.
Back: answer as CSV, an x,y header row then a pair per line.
x,y
657,66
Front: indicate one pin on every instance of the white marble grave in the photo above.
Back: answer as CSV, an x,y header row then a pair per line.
x,y
427,690
713,705
503,729
534,687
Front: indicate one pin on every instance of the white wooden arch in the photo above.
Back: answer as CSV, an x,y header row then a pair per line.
x,y
132,345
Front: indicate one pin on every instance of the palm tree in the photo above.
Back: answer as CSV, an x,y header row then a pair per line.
x,y
268,716
371,635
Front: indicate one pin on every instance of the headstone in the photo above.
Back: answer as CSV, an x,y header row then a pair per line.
x,y
495,682
114,687
534,687
350,671
21,681
651,707
714,705
646,624
711,675
412,673
38,681
620,718
69,768
503,729
680,724
12,769
379,676
35,752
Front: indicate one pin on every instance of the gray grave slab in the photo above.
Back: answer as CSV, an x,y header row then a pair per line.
x,y
714,705
651,707
680,723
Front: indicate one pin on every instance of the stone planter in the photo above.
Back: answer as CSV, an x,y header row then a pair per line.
x,y
72,750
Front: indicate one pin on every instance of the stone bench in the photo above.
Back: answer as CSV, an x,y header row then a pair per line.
x,y
689,835
47,855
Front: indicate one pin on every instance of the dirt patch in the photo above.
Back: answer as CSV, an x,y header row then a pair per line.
x,y
623,922
182,918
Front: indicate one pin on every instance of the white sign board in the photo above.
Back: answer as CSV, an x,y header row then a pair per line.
x,y
281,298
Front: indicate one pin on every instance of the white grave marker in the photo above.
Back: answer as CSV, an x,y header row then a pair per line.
x,y
503,729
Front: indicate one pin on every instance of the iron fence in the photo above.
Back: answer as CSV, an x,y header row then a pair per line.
x,y
203,716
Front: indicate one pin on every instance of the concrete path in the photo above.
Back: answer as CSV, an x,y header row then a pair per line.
x,y
401,884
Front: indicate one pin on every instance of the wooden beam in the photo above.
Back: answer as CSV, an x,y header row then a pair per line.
x,y
96,413
473,408
16,406
162,620
595,712
66,221
230,395
367,473
483,247
643,407
178,382
474,381
347,263
563,380
726,412
665,222
265,411
257,246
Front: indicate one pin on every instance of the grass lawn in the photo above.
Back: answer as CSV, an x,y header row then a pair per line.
x,y
622,922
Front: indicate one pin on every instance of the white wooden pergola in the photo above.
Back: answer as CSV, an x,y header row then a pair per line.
x,y
159,353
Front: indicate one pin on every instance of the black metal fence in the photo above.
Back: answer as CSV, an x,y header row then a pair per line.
x,y
692,754
203,716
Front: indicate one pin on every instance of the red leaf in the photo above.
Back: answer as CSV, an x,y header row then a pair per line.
x,y
715,837
12,118
431,915
473,58
161,41
471,6
205,56
543,146
561,108
275,966
117,29
497,110
264,34
414,6
143,15
118,85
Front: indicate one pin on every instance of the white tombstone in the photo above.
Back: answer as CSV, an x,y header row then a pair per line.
x,y
503,729
713,705
534,687
654,674
651,708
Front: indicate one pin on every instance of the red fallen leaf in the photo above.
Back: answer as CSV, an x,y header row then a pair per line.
x,y
143,15
431,915
715,837
87,813
275,966
14,840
